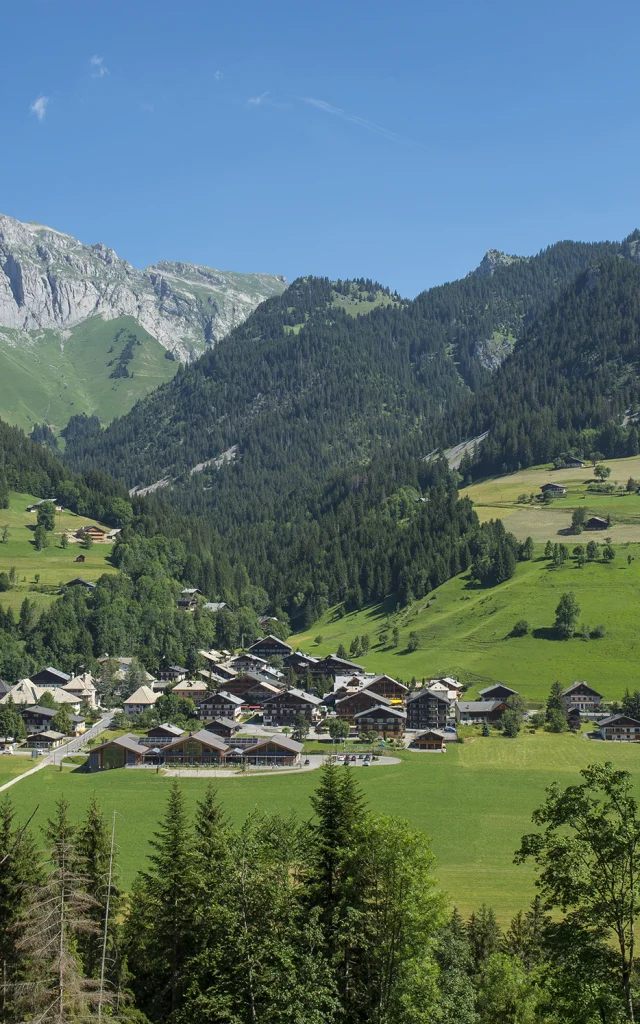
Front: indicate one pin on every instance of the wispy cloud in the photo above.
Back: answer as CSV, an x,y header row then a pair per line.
x,y
257,100
99,68
218,75
371,126
39,107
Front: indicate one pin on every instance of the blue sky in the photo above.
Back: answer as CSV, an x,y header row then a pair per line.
x,y
396,141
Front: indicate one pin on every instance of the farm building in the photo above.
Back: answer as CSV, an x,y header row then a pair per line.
x,y
273,750
381,719
94,532
573,463
118,753
596,523
480,711
582,697
497,692
202,747
554,490
430,739
619,727
78,581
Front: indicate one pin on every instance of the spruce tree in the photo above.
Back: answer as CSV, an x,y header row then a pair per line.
x,y
94,863
20,873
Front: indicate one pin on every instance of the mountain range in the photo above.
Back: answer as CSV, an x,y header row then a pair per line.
x,y
65,307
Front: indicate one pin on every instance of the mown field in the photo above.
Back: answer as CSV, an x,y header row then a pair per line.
x,y
54,565
464,629
475,802
12,765
498,499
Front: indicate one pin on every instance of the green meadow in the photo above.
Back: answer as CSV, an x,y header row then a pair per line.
x,y
12,765
475,802
47,377
464,629
53,565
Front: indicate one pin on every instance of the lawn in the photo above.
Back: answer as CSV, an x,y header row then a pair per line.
x,y
464,630
12,765
54,565
475,802
497,498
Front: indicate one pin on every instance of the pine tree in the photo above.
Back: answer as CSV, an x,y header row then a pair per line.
x,y
94,863
20,872
158,934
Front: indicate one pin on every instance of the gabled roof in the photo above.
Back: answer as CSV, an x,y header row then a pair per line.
x,y
494,686
165,727
427,692
479,705
128,742
377,698
227,722
143,695
574,686
383,675
300,694
47,734
618,718
37,709
281,741
394,712
430,732
271,637
78,581
350,665
226,697
209,739
62,676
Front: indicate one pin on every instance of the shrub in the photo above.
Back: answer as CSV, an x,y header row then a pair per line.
x,y
521,628
599,632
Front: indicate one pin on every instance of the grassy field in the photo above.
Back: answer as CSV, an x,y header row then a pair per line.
x,y
54,565
464,629
47,378
475,802
498,499
12,765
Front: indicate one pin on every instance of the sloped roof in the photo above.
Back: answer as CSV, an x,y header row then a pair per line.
x,y
143,695
383,675
479,705
300,694
430,732
574,686
281,741
227,697
173,730
394,712
427,691
618,718
377,698
494,686
128,741
62,676
202,736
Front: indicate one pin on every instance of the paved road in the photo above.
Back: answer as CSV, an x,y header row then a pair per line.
x,y
316,760
70,747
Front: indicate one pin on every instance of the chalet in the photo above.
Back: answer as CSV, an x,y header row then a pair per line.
x,y
218,671
283,708
362,700
214,606
596,523
219,705
471,712
202,747
302,663
173,673
620,727
430,739
334,666
224,727
161,735
571,462
497,692
143,699
94,532
48,739
446,685
36,505
79,558
248,663
187,604
273,750
50,677
78,581
191,592
427,709
554,490
118,753
381,719
387,687
270,647
190,689
252,688
38,718
582,697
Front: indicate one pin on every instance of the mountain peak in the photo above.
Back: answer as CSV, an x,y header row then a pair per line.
x,y
494,258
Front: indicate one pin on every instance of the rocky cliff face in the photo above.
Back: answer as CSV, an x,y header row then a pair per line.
x,y
51,280
493,259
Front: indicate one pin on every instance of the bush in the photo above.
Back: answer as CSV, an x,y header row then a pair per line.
x,y
521,628
5,582
556,721
599,632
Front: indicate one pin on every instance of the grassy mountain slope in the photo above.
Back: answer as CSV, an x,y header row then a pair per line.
x,y
51,377
53,565
464,629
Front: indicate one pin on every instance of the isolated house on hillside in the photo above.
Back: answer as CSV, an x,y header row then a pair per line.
x,y
78,581
620,727
96,533
554,490
573,463
596,523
